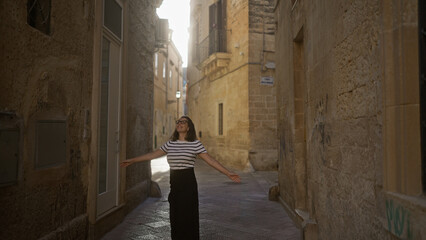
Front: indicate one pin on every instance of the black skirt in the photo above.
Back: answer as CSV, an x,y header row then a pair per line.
x,y
183,200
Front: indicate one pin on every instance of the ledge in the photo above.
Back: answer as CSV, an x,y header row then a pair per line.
x,y
215,62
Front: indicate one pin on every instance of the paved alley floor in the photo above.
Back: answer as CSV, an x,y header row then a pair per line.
x,y
227,210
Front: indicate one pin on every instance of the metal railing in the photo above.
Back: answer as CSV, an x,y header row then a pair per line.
x,y
213,43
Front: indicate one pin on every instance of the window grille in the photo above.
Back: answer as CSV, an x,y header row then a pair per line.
x,y
216,40
220,119
217,26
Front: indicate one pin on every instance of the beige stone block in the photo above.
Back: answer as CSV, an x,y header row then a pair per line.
x,y
272,116
298,106
299,120
401,66
413,173
267,90
259,105
390,85
392,151
402,150
410,61
299,151
299,135
270,104
258,98
255,111
271,99
272,125
298,90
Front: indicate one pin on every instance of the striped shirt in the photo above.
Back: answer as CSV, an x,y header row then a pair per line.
x,y
182,154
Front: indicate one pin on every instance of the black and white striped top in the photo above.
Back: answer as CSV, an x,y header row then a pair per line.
x,y
182,154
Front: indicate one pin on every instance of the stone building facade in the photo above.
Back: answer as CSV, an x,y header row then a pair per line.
x,y
168,91
350,164
76,95
231,73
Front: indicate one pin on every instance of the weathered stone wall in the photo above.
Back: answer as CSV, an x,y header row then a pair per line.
x,y
231,90
47,77
249,138
228,86
262,95
140,91
331,97
54,77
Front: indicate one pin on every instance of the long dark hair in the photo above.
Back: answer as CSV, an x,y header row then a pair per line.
x,y
191,135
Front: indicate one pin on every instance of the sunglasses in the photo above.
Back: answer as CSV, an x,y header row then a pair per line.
x,y
181,121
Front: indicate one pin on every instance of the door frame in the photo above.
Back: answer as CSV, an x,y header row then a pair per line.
x,y
99,32
116,129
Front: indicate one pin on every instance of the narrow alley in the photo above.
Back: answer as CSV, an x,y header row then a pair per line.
x,y
323,100
227,210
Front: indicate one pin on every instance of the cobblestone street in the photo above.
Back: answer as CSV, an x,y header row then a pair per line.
x,y
227,210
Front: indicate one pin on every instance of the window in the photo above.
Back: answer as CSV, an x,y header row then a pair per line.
x,y
38,15
170,79
217,27
164,71
220,119
113,17
156,64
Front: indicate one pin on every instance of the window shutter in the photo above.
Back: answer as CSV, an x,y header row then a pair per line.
x,y
213,28
222,33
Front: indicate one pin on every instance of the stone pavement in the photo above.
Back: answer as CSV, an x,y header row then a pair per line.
x,y
227,210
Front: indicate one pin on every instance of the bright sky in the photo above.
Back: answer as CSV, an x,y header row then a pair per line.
x,y
177,11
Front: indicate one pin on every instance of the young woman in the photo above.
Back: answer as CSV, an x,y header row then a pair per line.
x,y
182,150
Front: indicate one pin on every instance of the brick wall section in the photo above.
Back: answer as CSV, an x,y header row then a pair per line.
x,y
262,98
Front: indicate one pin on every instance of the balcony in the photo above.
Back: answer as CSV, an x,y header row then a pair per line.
x,y
210,54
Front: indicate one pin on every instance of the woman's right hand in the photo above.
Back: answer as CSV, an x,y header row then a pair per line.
x,y
234,177
126,162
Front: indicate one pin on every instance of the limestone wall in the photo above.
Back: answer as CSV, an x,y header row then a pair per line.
x,y
46,77
262,94
227,86
53,78
249,138
138,67
336,68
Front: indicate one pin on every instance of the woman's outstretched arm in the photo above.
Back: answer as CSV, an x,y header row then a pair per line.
x,y
146,157
215,164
